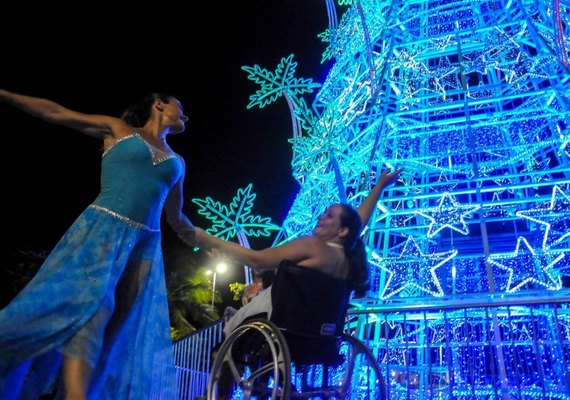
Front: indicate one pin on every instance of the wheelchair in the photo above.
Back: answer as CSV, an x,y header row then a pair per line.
x,y
301,352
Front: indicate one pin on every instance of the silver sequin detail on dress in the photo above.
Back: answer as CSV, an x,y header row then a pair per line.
x,y
129,221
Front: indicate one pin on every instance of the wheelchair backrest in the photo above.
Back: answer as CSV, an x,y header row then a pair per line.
x,y
307,302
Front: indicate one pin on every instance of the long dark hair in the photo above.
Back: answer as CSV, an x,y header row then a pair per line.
x,y
138,114
355,251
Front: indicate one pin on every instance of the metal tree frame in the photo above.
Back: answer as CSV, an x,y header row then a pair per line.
x,y
472,98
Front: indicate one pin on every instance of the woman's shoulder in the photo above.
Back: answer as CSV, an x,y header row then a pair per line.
x,y
307,238
310,241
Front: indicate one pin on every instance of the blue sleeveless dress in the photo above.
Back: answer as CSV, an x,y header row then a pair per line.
x,y
100,296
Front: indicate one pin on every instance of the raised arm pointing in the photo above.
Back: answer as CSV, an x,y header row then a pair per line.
x,y
386,179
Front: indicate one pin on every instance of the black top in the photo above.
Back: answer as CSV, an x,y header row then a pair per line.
x,y
308,302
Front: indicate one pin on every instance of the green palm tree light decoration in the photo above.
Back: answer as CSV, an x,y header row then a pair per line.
x,y
236,220
282,82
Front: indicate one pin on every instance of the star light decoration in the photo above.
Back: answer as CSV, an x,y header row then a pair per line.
x,y
497,208
524,334
438,332
537,170
395,351
553,216
228,222
448,214
443,184
505,182
412,269
526,266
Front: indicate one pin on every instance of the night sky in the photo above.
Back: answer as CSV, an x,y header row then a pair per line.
x,y
95,60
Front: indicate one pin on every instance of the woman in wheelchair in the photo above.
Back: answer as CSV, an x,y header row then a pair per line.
x,y
334,248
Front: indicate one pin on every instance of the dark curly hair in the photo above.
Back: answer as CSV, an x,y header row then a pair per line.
x,y
355,251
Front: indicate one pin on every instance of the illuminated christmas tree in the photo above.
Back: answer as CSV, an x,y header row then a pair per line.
x,y
472,98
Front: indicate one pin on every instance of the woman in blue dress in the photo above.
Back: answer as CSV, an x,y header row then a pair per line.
x,y
93,323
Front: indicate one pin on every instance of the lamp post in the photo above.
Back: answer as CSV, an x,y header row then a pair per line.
x,y
221,267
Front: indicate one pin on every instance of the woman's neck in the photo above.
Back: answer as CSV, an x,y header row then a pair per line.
x,y
158,140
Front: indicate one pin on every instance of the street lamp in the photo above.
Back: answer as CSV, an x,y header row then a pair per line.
x,y
221,267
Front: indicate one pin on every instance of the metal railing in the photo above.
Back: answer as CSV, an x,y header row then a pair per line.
x,y
514,346
192,356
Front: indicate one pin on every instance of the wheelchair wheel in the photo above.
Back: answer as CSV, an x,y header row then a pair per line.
x,y
253,360
356,376
363,377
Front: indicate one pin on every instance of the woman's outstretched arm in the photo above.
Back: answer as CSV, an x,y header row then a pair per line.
x,y
300,249
386,179
99,126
